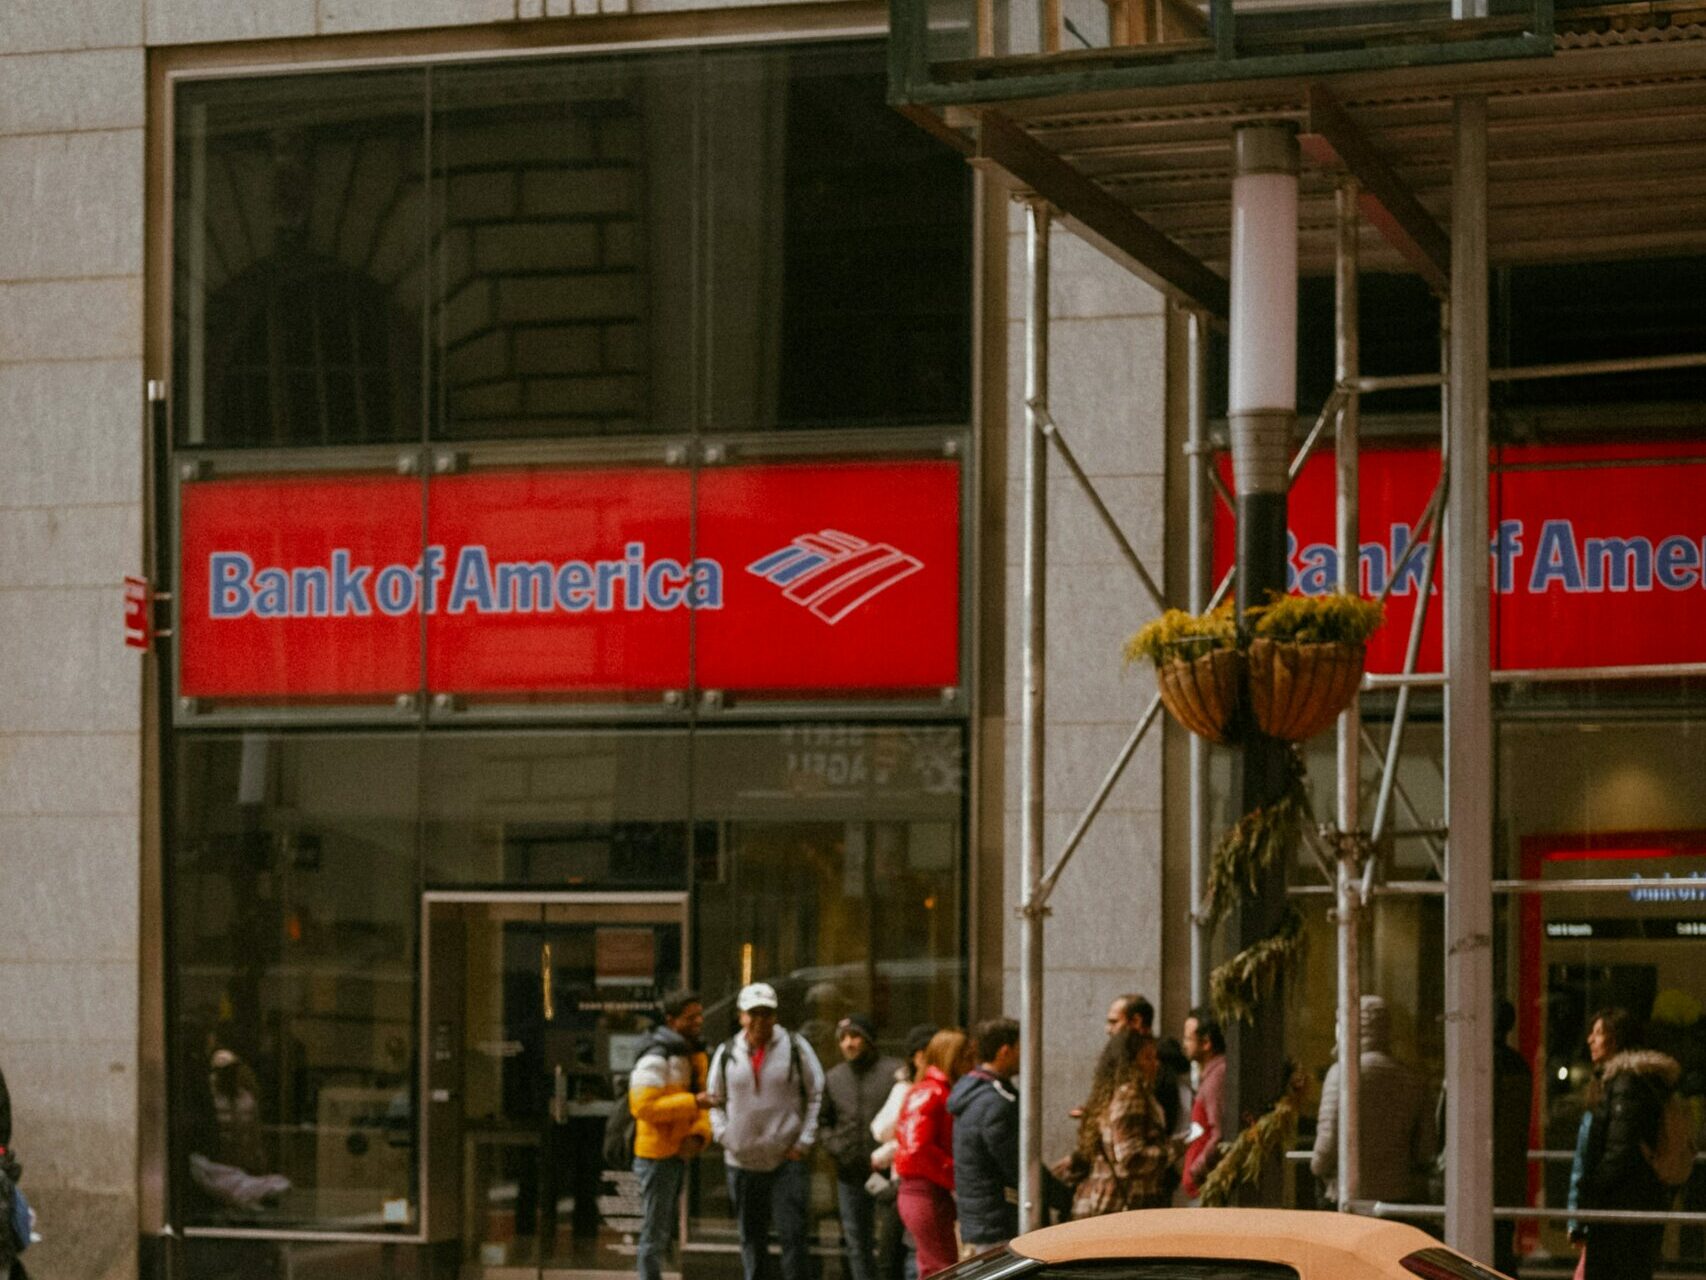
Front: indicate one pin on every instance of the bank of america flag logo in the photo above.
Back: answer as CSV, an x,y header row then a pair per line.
x,y
832,573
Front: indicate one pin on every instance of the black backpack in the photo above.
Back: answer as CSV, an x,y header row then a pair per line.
x,y
719,1063
619,1137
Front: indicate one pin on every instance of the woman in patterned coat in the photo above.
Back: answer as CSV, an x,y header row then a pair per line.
x,y
1124,1149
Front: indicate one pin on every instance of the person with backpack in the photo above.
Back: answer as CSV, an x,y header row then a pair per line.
x,y
672,1123
1639,1149
766,1089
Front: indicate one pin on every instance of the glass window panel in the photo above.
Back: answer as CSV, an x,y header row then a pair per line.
x,y
564,237
830,864
562,810
301,232
840,283
293,883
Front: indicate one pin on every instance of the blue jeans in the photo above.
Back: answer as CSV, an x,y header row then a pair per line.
x,y
858,1230
757,1198
660,1193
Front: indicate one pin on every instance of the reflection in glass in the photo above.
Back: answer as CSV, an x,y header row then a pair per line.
x,y
294,910
563,233
563,810
540,1019
832,868
299,260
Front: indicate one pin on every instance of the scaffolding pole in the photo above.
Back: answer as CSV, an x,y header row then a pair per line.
x,y
1200,500
1349,818
1468,711
1032,728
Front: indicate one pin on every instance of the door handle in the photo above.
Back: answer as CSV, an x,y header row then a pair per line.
x,y
545,982
559,1095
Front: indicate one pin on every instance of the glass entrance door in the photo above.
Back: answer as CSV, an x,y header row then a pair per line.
x,y
536,1011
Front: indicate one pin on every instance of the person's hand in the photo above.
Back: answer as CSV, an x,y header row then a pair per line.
x,y
1077,1113
692,1145
795,1153
705,1099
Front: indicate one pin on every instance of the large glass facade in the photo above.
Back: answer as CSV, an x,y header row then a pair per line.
x,y
440,305
722,240
826,858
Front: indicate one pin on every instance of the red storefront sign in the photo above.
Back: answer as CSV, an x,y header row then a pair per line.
x,y
138,628
789,577
1591,566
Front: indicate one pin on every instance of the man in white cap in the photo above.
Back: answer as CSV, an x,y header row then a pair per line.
x,y
766,1087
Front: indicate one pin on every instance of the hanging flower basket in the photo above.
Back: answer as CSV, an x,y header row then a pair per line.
x,y
1297,690
1198,668
1202,693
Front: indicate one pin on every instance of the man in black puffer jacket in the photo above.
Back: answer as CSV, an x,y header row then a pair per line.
x,y
985,1107
853,1092
1616,1170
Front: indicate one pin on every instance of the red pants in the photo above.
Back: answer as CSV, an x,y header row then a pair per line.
x,y
928,1212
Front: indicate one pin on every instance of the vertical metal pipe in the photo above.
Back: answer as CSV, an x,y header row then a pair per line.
x,y
1347,873
1261,413
1032,727
1468,713
1200,508
195,321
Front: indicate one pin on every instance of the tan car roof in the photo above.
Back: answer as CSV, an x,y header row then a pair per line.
x,y
1337,1245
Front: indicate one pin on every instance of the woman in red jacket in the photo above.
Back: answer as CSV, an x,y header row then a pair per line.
x,y
924,1152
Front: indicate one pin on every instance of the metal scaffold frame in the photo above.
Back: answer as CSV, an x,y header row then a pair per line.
x,y
1462,846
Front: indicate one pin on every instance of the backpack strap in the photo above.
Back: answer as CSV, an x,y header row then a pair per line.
x,y
795,1071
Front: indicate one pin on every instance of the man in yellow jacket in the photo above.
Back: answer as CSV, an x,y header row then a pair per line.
x,y
672,1122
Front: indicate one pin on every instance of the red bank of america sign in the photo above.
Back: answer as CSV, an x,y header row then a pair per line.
x,y
810,577
1597,554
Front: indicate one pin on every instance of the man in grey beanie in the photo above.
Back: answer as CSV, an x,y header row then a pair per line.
x,y
854,1091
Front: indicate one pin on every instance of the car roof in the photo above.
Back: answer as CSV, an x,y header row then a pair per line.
x,y
1314,1244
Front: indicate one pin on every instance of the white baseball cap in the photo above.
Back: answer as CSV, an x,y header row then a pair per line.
x,y
756,995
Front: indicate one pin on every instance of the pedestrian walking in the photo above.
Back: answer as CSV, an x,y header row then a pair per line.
x,y
1513,1101
1396,1110
1609,1033
1124,1148
985,1111
855,1090
897,1251
672,1123
1205,1045
1134,1012
766,1088
924,1152
1625,1152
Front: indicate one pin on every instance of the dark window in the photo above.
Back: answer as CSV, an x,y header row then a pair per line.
x,y
727,240
564,235
293,883
299,261
876,298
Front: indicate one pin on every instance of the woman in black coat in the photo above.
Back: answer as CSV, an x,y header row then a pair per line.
x,y
1635,1085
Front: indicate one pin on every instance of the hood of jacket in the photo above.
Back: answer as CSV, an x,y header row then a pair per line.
x,y
1649,1063
667,1041
974,1082
1376,1024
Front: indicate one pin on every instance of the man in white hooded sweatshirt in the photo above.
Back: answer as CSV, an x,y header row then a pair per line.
x,y
766,1087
